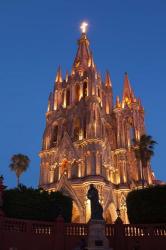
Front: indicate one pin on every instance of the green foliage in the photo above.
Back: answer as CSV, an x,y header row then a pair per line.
x,y
36,204
147,205
144,150
19,164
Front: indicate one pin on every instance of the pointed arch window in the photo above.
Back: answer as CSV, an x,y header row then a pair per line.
x,y
84,127
76,129
98,92
132,134
54,135
77,93
63,97
56,174
74,170
85,89
51,176
68,97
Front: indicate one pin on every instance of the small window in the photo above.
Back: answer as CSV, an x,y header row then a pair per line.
x,y
98,92
85,89
132,134
77,93
54,135
68,97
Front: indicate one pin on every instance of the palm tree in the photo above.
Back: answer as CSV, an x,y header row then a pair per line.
x,y
144,150
19,164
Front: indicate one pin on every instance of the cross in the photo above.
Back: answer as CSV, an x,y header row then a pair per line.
x,y
83,27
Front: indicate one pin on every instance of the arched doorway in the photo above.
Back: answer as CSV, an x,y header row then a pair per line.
x,y
75,213
110,215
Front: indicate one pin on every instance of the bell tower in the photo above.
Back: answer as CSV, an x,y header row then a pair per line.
x,y
88,139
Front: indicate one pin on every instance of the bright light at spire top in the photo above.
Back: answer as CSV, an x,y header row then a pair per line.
x,y
83,27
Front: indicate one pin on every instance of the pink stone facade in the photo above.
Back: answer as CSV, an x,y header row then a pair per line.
x,y
88,139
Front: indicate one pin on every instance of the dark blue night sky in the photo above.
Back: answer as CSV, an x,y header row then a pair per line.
x,y
37,36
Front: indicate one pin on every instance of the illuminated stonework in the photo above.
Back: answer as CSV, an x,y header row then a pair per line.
x,y
89,140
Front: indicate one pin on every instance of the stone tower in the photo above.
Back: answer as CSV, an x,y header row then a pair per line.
x,y
88,139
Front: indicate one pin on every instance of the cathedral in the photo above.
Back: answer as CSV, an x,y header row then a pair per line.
x,y
88,139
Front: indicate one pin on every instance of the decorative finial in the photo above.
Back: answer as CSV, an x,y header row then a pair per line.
x,y
83,27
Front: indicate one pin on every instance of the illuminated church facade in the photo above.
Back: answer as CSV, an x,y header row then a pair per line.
x,y
88,139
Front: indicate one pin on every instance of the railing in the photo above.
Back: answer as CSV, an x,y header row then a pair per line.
x,y
134,230
110,230
145,230
76,229
11,225
73,229
48,235
159,230
45,228
33,227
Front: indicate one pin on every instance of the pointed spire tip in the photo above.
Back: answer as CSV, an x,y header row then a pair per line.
x,y
128,93
58,75
108,82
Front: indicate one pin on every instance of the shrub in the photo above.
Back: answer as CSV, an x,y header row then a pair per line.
x,y
147,205
36,204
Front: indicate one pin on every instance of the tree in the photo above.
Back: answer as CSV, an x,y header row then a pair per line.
x,y
144,150
36,204
147,205
19,164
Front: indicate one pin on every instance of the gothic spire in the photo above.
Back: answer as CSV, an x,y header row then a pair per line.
x,y
50,102
91,61
84,58
83,53
108,82
58,78
67,76
128,94
118,103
